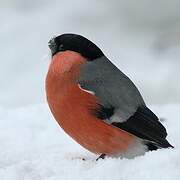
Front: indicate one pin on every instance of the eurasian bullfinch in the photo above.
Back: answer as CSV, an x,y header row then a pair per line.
x,y
97,104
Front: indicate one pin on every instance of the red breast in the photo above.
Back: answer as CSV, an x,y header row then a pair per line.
x,y
71,106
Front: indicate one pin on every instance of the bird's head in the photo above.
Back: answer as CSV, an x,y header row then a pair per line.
x,y
75,43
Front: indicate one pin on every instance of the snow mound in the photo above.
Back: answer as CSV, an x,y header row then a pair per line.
x,y
33,147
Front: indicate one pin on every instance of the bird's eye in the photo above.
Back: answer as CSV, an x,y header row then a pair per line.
x,y
61,47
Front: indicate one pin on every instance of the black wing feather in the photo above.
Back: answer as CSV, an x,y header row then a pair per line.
x,y
146,125
104,112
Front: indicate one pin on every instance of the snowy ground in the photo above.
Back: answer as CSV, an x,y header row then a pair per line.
x,y
33,147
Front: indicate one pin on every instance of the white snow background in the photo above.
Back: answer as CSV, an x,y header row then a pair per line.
x,y
140,37
33,147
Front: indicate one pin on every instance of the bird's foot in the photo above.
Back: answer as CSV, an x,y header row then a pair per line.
x,y
78,158
102,156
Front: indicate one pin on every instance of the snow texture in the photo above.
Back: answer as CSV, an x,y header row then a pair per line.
x,y
34,147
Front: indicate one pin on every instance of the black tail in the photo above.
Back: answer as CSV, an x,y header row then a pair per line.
x,y
146,125
152,146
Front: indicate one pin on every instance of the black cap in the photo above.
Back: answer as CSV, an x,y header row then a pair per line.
x,y
75,43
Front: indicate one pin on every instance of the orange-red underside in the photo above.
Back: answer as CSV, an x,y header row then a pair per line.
x,y
71,106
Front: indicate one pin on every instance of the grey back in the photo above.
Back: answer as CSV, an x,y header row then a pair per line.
x,y
111,86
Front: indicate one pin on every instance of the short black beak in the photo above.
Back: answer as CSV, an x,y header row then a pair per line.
x,y
53,46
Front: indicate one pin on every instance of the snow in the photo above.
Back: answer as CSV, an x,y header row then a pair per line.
x,y
34,147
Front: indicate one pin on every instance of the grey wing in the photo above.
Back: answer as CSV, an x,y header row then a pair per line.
x,y
111,86
121,104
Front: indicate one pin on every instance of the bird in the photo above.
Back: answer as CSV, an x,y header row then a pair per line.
x,y
96,103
